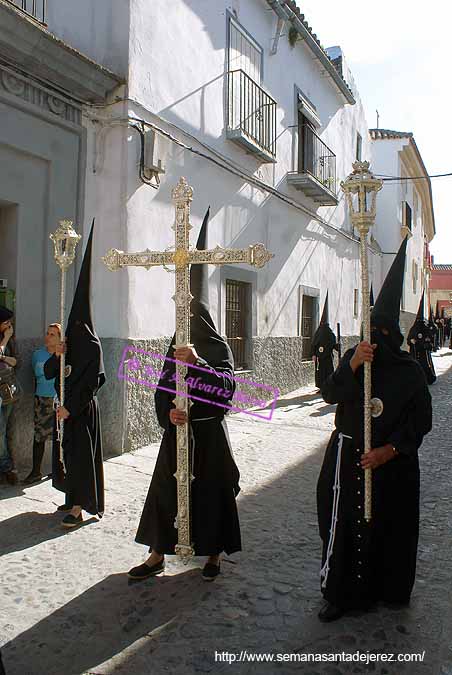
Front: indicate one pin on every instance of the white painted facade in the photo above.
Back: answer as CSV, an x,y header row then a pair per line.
x,y
175,56
399,157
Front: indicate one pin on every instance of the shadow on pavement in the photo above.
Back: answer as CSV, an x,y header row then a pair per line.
x,y
9,491
327,409
101,623
31,528
266,603
294,402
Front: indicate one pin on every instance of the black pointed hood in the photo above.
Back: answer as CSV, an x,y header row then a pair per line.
x,y
371,296
199,274
323,340
420,325
209,344
325,318
420,311
386,311
83,342
81,304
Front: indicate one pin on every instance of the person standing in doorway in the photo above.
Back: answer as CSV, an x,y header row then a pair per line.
x,y
44,414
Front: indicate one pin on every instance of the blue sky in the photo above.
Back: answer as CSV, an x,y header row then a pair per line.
x,y
397,52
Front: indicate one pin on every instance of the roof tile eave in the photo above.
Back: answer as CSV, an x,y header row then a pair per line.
x,y
296,10
377,134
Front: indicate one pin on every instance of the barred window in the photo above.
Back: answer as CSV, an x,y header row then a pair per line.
x,y
308,307
238,302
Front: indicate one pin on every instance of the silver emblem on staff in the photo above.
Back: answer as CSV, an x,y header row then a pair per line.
x,y
376,407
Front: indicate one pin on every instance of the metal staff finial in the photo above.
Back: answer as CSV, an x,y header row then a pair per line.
x,y
360,189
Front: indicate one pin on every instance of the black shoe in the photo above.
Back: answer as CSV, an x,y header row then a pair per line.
x,y
35,474
64,507
11,478
145,571
72,521
32,478
330,613
396,604
210,571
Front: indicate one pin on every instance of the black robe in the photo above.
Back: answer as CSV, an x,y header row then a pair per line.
x,y
83,482
420,343
440,334
215,523
323,344
376,560
434,334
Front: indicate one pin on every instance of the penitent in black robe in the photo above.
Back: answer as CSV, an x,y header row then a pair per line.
x,y
434,334
365,562
214,519
83,482
420,342
215,523
323,344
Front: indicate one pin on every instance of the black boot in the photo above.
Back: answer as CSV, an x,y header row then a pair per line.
x,y
330,613
38,453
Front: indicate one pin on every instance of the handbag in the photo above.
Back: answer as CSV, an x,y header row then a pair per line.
x,y
10,390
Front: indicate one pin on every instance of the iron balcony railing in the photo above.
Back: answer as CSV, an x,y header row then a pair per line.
x,y
316,158
252,111
34,8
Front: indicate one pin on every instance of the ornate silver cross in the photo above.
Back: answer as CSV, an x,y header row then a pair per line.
x,y
181,258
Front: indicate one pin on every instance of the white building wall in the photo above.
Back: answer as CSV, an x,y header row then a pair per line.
x,y
178,62
97,28
106,197
387,161
175,57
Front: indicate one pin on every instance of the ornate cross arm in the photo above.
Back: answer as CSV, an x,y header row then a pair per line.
x,y
115,259
256,255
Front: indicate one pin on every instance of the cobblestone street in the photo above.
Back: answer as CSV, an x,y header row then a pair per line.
x,y
67,607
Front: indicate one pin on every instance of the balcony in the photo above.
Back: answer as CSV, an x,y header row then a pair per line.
x,y
251,116
316,175
33,8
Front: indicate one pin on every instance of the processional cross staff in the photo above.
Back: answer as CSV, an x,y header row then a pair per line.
x,y
181,257
361,188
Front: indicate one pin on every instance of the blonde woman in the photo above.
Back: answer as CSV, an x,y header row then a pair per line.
x,y
44,414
